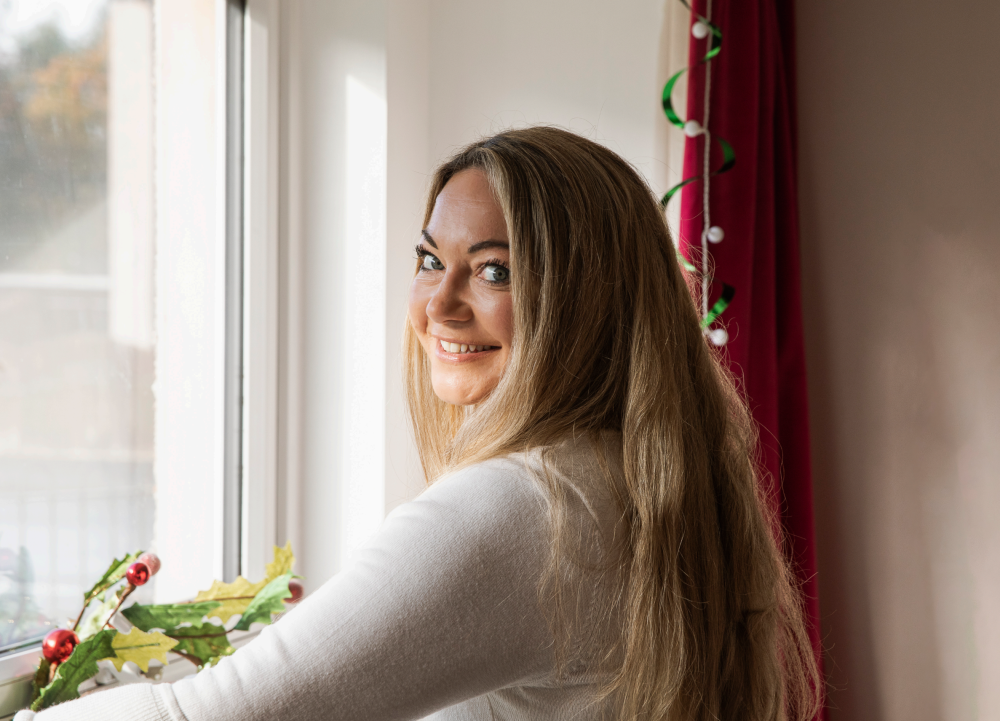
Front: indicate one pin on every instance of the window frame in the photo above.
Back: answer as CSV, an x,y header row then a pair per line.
x,y
239,497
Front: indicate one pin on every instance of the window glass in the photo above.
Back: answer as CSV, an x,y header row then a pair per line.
x,y
77,354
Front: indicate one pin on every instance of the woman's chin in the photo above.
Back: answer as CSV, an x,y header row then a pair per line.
x,y
459,393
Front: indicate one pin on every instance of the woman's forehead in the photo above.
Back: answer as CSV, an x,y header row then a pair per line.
x,y
466,208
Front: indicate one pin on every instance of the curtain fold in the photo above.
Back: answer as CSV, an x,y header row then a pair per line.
x,y
752,94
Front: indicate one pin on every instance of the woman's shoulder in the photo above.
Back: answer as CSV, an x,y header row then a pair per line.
x,y
583,464
575,474
496,498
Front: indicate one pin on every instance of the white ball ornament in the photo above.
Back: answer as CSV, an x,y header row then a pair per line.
x,y
700,30
716,234
719,337
693,129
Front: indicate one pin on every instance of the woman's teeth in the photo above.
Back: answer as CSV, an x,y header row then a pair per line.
x,y
462,348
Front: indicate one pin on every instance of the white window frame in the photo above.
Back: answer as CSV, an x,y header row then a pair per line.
x,y
236,475
263,276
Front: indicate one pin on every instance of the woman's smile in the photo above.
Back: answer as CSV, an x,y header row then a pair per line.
x,y
459,351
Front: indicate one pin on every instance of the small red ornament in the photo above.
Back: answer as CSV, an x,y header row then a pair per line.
x,y
59,644
138,573
152,562
296,588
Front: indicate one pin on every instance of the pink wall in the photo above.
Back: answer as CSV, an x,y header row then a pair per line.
x,y
899,105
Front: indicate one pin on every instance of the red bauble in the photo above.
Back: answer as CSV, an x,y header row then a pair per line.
x,y
152,561
295,586
138,573
59,644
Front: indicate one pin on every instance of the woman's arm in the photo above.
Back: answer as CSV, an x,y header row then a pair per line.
x,y
440,606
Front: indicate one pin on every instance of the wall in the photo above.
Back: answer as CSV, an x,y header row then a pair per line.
x,y
587,66
899,159
338,220
409,166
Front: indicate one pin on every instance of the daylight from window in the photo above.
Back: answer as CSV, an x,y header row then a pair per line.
x,y
76,301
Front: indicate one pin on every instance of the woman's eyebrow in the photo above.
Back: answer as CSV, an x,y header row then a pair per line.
x,y
474,248
484,244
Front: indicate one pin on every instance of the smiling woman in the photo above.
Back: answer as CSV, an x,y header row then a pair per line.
x,y
592,544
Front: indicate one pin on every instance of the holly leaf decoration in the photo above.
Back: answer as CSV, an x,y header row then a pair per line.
x,y
269,600
79,667
283,561
237,596
140,648
168,617
205,643
115,573
233,597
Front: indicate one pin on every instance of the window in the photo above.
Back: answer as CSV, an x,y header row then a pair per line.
x,y
244,420
120,300
76,303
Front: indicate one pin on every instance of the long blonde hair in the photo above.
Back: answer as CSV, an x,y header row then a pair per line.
x,y
607,337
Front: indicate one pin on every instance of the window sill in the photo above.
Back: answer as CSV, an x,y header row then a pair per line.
x,y
17,668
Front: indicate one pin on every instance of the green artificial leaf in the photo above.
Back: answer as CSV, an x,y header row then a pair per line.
x,y
168,616
268,601
79,667
205,643
115,573
140,648
100,611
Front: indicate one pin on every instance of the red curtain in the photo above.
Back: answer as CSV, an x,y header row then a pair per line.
x,y
752,94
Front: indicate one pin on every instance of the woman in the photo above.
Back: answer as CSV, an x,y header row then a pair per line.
x,y
592,544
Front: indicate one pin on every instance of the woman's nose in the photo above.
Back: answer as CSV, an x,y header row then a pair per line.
x,y
447,302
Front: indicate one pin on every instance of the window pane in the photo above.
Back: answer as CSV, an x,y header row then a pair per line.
x,y
76,301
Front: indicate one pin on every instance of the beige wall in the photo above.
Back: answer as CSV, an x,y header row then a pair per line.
x,y
899,106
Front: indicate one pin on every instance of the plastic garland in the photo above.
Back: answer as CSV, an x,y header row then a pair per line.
x,y
701,29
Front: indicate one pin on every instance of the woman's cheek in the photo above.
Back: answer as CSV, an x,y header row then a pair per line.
x,y
417,307
497,311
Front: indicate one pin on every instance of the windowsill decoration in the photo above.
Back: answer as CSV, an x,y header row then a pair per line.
x,y
198,630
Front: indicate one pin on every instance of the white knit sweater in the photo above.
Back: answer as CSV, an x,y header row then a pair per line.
x,y
439,617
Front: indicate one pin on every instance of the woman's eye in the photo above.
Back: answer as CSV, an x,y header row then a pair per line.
x,y
431,263
496,274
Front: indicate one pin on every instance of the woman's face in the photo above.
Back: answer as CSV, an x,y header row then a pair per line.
x,y
460,304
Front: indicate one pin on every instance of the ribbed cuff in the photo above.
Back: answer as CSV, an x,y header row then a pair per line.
x,y
135,702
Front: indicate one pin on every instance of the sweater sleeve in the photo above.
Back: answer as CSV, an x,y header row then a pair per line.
x,y
440,606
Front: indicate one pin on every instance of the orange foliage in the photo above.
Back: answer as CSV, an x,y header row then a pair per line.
x,y
70,95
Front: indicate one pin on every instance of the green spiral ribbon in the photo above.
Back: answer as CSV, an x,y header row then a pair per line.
x,y
728,161
725,298
728,156
723,301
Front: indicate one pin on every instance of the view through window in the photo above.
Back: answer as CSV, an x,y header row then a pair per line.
x,y
76,301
